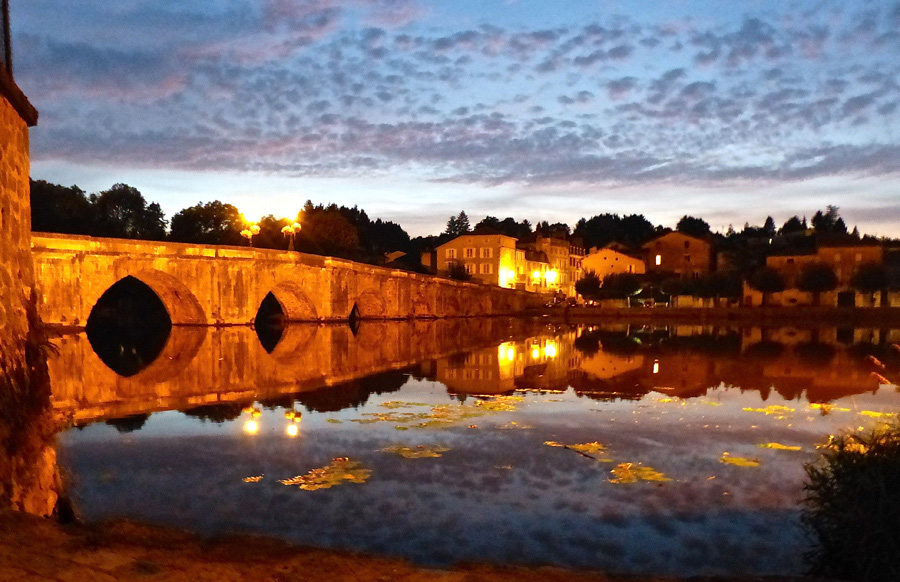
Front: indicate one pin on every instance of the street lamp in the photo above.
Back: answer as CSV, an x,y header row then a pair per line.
x,y
291,231
249,232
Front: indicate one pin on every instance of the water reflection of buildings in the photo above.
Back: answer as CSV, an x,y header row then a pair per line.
x,y
817,364
534,363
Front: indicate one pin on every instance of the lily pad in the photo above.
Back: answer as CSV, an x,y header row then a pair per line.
x,y
419,452
781,447
739,461
341,470
625,473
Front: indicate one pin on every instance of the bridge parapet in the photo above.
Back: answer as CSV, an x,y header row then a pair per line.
x,y
221,285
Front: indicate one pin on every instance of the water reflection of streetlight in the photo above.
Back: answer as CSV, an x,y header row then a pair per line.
x,y
291,231
293,429
251,427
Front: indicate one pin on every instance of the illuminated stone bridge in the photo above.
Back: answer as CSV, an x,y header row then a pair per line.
x,y
220,285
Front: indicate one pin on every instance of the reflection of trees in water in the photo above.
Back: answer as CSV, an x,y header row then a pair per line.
x,y
217,413
765,350
632,385
128,327
816,353
129,423
354,393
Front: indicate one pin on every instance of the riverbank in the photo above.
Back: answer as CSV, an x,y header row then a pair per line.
x,y
774,315
33,549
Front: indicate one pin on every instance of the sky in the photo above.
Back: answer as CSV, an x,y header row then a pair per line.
x,y
416,109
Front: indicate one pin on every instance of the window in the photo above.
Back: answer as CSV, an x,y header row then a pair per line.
x,y
687,258
451,253
470,253
658,260
790,261
487,253
487,269
470,268
687,244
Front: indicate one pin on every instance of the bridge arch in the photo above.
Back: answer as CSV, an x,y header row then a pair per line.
x,y
180,303
294,302
370,305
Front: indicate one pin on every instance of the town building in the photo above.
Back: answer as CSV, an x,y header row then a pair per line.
x,y
609,261
490,258
678,254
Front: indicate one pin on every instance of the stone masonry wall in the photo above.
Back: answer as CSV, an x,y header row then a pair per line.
x,y
16,280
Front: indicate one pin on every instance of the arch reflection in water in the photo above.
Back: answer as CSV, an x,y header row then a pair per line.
x,y
128,327
269,322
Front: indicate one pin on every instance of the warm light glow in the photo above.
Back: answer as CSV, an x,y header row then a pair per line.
x,y
551,276
510,354
254,228
535,353
536,275
251,427
658,260
656,366
292,430
550,350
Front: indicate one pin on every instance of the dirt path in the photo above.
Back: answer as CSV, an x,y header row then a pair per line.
x,y
34,549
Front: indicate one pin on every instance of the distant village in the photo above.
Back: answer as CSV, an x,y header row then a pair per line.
x,y
607,260
797,265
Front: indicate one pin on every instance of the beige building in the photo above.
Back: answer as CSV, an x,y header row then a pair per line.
x,y
545,266
608,261
490,258
679,254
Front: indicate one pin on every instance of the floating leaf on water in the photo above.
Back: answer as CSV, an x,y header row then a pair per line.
x,y
592,448
401,404
441,416
334,421
632,473
781,447
771,409
340,470
553,444
513,425
739,461
710,403
254,479
874,414
419,452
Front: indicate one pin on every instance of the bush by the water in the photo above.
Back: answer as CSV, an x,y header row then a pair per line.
x,y
853,506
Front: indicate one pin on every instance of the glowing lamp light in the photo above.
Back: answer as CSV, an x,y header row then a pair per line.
x,y
510,354
550,350
550,276
251,427
536,353
536,275
292,430
656,366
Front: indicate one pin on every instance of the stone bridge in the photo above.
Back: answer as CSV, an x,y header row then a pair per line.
x,y
221,285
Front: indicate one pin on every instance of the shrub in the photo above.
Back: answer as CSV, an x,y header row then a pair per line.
x,y
852,506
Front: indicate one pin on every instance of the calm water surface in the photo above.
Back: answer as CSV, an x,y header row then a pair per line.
x,y
693,438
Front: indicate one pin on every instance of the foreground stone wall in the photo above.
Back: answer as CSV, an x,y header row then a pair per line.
x,y
15,230
209,285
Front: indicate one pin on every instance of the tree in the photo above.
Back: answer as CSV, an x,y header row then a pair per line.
x,y
122,212
212,223
589,285
817,278
769,227
793,225
621,285
767,280
870,278
61,209
458,271
457,225
829,222
693,226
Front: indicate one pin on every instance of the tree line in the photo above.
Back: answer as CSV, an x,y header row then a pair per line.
x,y
121,211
